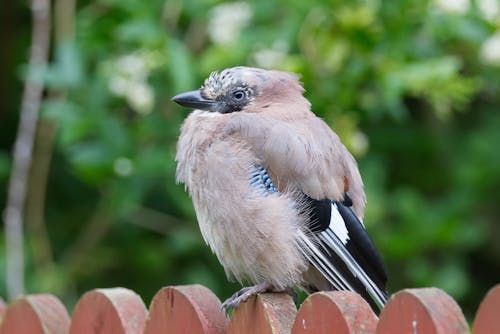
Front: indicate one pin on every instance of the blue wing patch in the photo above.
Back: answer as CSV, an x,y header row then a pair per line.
x,y
260,179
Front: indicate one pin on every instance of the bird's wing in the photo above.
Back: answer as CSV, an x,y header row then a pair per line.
x,y
303,154
310,159
336,244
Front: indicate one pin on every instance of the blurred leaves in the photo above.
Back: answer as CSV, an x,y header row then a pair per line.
x,y
180,67
4,166
67,69
410,86
436,80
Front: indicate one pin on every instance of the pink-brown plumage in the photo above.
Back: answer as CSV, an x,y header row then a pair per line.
x,y
259,237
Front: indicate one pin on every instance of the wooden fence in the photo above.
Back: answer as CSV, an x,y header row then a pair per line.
x,y
193,309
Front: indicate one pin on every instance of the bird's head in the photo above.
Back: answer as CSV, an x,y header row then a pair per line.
x,y
244,89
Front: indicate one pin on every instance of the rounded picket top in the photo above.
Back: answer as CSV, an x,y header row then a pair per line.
x,y
116,310
426,310
339,311
186,309
35,314
264,314
488,315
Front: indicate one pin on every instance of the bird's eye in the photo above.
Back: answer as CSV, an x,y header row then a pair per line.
x,y
239,95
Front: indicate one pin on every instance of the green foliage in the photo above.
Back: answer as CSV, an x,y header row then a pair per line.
x,y
4,166
403,82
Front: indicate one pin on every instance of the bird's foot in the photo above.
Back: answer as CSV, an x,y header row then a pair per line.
x,y
242,295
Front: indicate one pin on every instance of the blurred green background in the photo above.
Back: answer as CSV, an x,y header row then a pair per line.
x,y
411,86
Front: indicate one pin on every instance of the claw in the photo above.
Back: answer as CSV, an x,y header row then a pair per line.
x,y
243,295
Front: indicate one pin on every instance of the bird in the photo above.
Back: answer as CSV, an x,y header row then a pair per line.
x,y
278,198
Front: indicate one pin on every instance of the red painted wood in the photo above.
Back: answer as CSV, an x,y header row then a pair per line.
x,y
189,309
341,312
267,313
427,310
116,311
35,314
488,316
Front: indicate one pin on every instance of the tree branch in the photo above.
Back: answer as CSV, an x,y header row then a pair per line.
x,y
23,147
35,201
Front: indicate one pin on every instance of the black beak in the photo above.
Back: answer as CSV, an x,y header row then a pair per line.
x,y
194,100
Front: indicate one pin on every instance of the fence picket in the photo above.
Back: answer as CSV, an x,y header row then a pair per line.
x,y
345,311
35,314
191,309
488,316
116,310
268,313
426,310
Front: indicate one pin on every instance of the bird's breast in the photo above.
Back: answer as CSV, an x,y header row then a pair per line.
x,y
252,234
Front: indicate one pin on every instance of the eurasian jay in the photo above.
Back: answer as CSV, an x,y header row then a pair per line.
x,y
278,197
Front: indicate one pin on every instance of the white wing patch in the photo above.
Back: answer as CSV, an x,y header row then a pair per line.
x,y
337,225
334,241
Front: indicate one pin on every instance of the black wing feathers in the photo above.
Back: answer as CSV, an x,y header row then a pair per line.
x,y
319,213
358,244
362,248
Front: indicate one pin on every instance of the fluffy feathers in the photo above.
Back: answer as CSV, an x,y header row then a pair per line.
x,y
267,179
